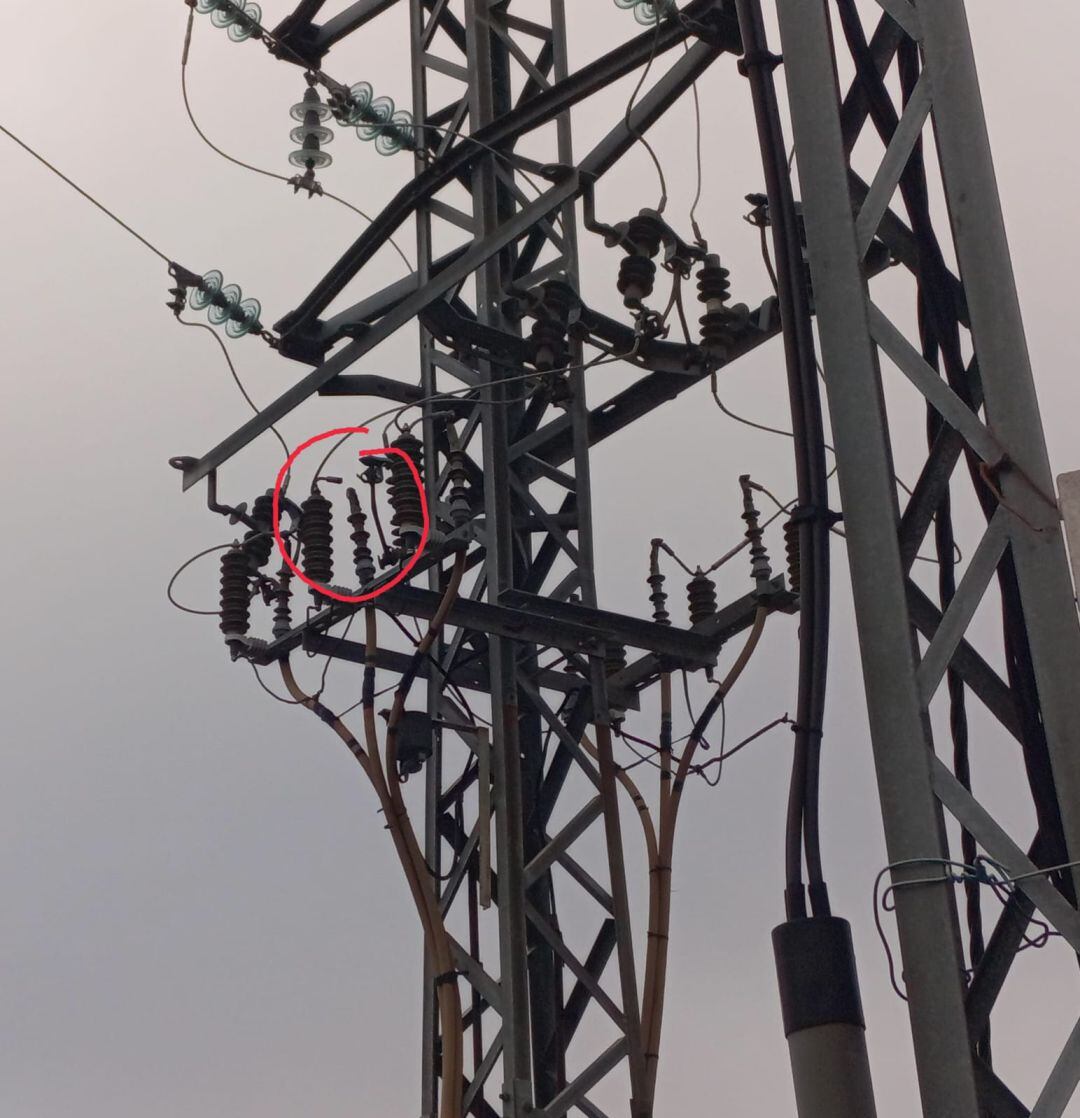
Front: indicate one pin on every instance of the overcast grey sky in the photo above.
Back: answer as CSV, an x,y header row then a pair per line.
x,y
201,911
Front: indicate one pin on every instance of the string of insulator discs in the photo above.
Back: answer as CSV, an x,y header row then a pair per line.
x,y
374,118
242,20
224,303
648,12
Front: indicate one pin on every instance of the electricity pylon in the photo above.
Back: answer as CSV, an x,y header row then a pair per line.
x,y
507,833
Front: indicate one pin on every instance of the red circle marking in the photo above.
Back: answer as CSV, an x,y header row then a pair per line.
x,y
404,572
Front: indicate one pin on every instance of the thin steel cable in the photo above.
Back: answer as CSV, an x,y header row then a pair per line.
x,y
702,242
232,370
180,570
634,131
89,197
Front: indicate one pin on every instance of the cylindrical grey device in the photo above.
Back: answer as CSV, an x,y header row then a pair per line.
x,y
823,1019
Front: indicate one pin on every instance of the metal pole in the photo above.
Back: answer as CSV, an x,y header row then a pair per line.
x,y
1012,408
900,733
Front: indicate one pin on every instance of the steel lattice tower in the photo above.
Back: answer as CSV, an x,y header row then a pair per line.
x,y
528,555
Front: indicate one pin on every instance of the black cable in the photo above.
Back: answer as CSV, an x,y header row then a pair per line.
x,y
180,570
236,378
698,235
636,133
810,471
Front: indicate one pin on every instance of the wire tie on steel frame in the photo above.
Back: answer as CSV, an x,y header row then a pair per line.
x,y
813,513
759,59
987,473
445,977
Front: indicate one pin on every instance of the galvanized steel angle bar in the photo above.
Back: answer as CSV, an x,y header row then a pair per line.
x,y
576,967
905,15
856,104
565,838
538,510
985,683
578,1088
454,115
501,27
552,719
460,867
980,570
538,111
436,15
891,167
1061,1084
444,66
473,972
589,1109
596,962
1045,585
928,381
436,287
483,1072
507,20
587,882
899,732
992,837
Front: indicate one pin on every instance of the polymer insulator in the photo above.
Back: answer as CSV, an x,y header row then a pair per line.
x,y
701,596
636,276
658,596
659,599
235,597
363,560
459,502
408,518
792,549
637,272
760,568
283,604
719,321
557,302
316,540
614,657
549,344
259,542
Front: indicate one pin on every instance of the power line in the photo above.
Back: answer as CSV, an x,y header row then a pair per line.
x,y
89,197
